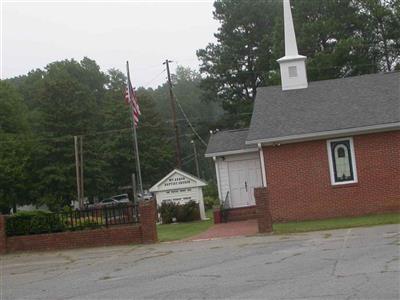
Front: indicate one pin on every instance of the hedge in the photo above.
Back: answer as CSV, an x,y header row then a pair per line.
x,y
181,212
33,222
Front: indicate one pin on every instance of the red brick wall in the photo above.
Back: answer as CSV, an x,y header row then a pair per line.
x,y
242,213
264,218
114,235
148,216
299,186
235,214
143,232
3,237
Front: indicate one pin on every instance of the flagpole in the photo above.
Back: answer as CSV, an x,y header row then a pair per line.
x,y
134,135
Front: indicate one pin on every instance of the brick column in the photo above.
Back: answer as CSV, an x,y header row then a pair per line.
x,y
217,214
148,212
3,236
263,211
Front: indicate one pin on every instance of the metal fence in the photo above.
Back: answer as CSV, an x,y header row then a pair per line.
x,y
102,216
91,218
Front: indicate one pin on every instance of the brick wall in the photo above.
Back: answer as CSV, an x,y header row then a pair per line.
x,y
237,214
263,211
299,186
148,216
114,235
143,232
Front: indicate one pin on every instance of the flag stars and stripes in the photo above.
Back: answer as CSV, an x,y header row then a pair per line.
x,y
132,100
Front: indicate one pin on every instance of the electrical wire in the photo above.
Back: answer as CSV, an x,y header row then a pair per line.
x,y
188,121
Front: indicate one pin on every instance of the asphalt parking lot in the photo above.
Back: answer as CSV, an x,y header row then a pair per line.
x,y
358,263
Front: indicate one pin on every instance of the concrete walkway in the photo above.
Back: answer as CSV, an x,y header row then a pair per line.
x,y
225,230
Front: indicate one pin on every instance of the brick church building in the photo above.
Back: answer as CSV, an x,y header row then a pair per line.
x,y
321,149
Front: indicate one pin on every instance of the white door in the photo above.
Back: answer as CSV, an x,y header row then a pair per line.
x,y
244,176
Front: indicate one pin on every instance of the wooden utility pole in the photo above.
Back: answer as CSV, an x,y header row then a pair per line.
x,y
81,177
78,142
174,124
78,173
195,158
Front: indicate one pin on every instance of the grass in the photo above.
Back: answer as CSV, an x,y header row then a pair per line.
x,y
179,231
304,226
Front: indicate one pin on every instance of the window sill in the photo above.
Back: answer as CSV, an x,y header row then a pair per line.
x,y
345,185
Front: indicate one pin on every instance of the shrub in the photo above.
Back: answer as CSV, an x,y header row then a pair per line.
x,y
210,202
33,222
181,212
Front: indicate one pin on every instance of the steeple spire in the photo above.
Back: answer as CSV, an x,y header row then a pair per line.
x,y
290,36
292,65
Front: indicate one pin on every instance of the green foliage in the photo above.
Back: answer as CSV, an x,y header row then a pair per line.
x,y
15,162
71,98
336,223
181,212
202,114
35,222
179,231
340,38
210,202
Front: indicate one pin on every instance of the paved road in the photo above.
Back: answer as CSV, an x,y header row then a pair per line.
x,y
359,263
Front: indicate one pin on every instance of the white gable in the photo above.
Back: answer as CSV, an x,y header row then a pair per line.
x,y
177,179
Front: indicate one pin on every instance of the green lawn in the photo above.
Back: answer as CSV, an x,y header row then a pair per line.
x,y
293,227
179,231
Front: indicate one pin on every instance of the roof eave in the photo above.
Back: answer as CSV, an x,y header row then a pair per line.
x,y
232,152
326,134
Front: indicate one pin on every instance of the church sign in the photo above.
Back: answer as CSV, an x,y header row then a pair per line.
x,y
180,187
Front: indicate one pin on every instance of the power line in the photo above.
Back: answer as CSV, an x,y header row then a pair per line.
x,y
154,78
189,123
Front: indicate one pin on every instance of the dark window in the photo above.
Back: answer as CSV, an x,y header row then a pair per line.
x,y
342,161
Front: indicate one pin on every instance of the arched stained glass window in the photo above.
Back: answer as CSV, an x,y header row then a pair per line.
x,y
341,161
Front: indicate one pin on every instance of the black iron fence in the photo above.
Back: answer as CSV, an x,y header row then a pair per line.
x,y
91,218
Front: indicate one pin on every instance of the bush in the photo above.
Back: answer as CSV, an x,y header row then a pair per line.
x,y
33,222
181,212
210,202
211,190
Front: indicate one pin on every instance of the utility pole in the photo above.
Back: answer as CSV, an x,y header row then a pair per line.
x,y
174,124
78,173
195,158
81,177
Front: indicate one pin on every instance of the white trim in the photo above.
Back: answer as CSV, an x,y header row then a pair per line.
x,y
231,152
199,182
218,179
327,134
262,162
353,161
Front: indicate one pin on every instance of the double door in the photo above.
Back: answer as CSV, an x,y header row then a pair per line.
x,y
244,176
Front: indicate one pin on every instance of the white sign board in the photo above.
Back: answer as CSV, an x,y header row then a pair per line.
x,y
180,187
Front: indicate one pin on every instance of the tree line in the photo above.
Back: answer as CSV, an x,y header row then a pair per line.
x,y
41,111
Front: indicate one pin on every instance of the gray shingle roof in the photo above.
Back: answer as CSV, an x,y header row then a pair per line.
x,y
228,141
328,105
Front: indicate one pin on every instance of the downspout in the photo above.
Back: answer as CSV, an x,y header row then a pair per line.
x,y
262,162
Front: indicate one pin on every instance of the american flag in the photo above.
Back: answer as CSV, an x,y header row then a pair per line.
x,y
133,101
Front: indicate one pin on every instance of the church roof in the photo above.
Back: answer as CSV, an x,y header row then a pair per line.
x,y
228,142
326,108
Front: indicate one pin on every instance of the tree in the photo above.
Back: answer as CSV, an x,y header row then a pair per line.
x,y
202,114
340,38
242,59
15,149
382,20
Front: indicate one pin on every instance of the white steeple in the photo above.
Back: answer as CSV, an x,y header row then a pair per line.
x,y
293,67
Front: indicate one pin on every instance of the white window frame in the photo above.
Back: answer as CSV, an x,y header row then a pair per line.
x,y
353,161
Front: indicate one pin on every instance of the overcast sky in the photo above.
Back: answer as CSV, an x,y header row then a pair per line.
x,y
35,33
